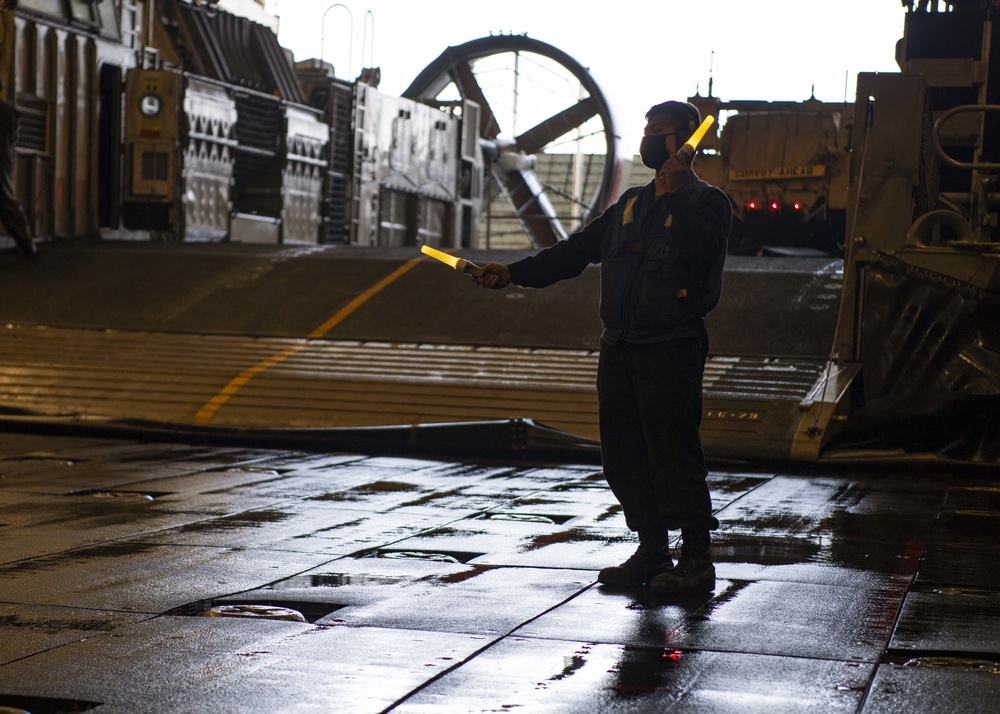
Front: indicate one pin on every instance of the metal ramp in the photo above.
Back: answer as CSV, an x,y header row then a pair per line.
x,y
771,408
100,375
226,336
768,392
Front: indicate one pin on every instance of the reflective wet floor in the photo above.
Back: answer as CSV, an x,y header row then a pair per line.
x,y
162,577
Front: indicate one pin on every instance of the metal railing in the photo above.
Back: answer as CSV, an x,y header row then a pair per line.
x,y
939,149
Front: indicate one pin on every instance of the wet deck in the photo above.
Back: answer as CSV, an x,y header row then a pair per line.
x,y
445,585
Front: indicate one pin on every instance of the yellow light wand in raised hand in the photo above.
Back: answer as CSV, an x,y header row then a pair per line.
x,y
691,145
460,264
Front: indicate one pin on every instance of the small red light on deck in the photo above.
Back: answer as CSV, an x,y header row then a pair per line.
x,y
797,206
752,205
673,654
774,205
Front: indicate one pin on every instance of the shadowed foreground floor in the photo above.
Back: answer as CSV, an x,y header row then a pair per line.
x,y
438,585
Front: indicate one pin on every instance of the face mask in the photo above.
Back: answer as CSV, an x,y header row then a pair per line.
x,y
653,150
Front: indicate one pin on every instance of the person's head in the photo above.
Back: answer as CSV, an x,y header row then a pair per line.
x,y
668,126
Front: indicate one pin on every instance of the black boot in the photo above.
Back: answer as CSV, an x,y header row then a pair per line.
x,y
694,572
26,244
650,559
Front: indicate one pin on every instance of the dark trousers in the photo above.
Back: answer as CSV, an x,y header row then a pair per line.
x,y
650,415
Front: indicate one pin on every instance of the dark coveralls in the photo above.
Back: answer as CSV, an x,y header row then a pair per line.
x,y
10,210
661,273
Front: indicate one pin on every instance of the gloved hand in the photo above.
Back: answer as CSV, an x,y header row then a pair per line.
x,y
494,276
672,174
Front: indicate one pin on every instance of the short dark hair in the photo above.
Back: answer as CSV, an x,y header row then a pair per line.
x,y
685,115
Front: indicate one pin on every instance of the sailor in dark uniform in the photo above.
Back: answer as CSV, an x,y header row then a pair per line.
x,y
662,249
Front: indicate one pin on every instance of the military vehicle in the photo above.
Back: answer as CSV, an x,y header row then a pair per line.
x,y
785,166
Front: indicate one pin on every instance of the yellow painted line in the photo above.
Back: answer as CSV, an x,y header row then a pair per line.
x,y
207,412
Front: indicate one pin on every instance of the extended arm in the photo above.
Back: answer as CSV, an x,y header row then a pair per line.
x,y
566,259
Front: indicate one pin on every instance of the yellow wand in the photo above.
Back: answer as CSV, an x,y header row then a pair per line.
x,y
691,145
460,264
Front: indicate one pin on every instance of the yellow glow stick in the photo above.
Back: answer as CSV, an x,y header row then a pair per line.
x,y
691,145
460,264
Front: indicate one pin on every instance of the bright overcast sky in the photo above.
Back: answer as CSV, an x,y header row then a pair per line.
x,y
640,53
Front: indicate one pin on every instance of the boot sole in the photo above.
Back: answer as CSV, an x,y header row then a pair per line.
x,y
616,580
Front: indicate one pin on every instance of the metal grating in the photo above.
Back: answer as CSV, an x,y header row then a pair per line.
x,y
336,211
760,377
259,124
168,378
33,123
